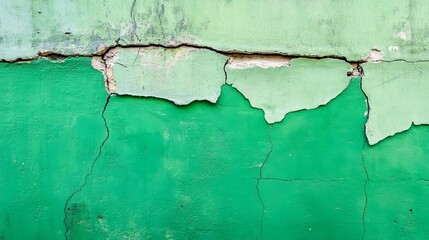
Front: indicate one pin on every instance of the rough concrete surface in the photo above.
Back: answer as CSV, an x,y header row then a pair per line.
x,y
145,119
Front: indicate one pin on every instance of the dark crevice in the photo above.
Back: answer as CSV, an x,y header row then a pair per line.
x,y
49,54
406,61
257,184
225,72
66,209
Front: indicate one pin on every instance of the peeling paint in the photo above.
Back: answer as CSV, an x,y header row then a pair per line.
x,y
278,91
181,75
397,96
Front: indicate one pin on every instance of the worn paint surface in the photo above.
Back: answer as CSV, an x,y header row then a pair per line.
x,y
280,90
168,172
181,75
78,163
329,27
398,96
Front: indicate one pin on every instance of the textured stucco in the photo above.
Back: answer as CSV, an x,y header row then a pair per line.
x,y
145,119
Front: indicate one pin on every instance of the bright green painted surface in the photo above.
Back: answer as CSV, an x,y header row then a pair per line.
x,y
321,144
183,172
170,172
50,130
398,168
327,27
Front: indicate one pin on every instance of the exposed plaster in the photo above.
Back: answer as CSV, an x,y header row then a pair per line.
x,y
104,64
249,61
67,209
374,56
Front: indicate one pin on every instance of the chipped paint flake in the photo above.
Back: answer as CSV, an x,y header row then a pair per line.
x,y
398,97
181,75
374,56
307,84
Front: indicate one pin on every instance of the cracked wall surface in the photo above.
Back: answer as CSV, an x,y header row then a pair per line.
x,y
213,120
350,28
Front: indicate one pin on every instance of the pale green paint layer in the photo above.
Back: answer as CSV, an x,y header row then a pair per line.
x,y
398,97
346,28
181,75
306,84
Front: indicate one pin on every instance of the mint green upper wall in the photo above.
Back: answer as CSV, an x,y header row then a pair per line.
x,y
311,28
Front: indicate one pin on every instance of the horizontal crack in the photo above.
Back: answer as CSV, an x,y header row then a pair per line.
x,y
229,53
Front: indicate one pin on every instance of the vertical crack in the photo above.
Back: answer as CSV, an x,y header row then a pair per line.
x,y
257,184
363,158
224,71
66,209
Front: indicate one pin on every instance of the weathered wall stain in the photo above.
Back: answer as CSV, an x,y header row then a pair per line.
x,y
349,29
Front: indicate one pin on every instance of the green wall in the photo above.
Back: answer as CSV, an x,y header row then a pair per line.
x,y
220,119
203,171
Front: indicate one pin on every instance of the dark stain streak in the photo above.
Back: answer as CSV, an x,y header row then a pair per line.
x,y
133,19
159,13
